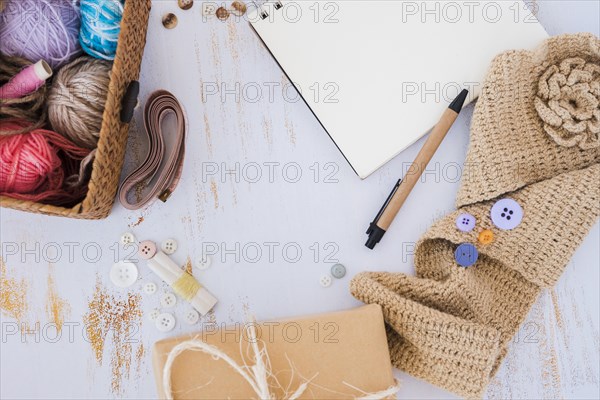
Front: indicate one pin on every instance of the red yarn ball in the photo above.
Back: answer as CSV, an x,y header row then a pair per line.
x,y
28,162
33,165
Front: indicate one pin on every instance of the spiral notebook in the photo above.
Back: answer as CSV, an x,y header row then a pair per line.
x,y
378,74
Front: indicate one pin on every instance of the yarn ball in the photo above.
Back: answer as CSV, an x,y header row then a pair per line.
x,y
40,30
27,162
76,100
35,165
100,27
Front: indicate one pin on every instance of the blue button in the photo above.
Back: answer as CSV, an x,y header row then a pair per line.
x,y
466,254
506,214
465,222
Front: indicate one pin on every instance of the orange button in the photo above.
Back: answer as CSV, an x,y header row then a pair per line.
x,y
486,236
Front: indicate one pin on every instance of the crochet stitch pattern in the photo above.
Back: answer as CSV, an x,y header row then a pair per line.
x,y
509,147
567,102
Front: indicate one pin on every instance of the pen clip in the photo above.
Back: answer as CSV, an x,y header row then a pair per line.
x,y
387,201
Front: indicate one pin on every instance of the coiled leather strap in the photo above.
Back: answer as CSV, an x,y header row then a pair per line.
x,y
161,169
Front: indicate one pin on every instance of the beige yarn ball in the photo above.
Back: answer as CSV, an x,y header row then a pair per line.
x,y
77,98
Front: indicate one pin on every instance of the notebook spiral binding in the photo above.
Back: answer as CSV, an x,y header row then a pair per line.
x,y
277,5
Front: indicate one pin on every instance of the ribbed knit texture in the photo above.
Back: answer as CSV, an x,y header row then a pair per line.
x,y
450,325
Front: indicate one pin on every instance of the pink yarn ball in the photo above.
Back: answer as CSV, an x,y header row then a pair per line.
x,y
36,165
28,162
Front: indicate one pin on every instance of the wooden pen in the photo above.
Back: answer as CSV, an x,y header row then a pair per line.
x,y
403,187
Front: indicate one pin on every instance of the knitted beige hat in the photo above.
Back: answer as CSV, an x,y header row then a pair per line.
x,y
450,325
530,102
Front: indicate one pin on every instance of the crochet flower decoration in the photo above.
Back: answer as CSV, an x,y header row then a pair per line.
x,y
568,102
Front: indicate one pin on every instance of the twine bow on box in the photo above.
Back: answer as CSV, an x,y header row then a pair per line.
x,y
256,375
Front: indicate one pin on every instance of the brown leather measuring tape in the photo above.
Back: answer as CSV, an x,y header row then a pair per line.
x,y
162,167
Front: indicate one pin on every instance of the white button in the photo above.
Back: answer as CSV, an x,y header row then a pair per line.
x,y
123,274
506,214
169,246
204,263
168,300
127,239
165,322
465,222
150,287
325,281
192,317
153,314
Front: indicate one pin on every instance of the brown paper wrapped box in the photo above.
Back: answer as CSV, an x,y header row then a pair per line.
x,y
347,346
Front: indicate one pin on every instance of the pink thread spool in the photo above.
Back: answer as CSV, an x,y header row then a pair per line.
x,y
27,81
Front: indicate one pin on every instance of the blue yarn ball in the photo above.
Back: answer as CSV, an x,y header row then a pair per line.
x,y
100,27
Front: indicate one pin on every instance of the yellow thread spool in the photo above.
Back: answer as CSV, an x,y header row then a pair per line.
x,y
186,286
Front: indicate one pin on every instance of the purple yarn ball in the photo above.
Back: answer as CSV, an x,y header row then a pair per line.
x,y
40,30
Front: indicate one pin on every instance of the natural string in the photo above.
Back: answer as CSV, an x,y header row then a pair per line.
x,y
258,379
77,98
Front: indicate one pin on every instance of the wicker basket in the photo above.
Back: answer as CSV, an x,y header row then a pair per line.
x,y
106,169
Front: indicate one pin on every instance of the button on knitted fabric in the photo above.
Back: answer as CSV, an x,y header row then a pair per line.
x,y
466,254
465,222
506,214
486,236
451,325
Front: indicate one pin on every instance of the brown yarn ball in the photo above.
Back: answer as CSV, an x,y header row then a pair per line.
x,y
76,100
30,108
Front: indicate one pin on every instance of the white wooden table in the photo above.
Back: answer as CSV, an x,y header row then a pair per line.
x,y
293,208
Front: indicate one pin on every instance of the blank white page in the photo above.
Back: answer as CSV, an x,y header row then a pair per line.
x,y
384,71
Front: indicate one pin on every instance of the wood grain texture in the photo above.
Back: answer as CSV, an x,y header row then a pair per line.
x,y
264,190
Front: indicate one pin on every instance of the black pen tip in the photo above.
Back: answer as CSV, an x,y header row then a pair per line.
x,y
458,102
375,234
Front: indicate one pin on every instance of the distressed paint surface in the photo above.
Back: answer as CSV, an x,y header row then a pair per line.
x,y
57,308
255,221
111,324
13,294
